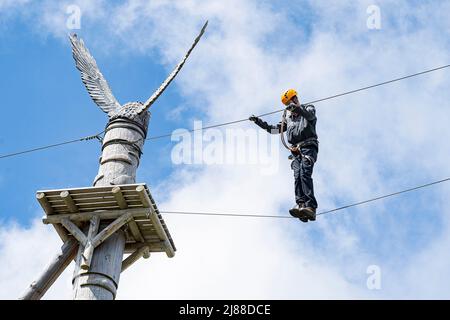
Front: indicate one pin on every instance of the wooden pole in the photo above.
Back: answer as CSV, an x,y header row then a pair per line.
x,y
101,281
59,263
121,150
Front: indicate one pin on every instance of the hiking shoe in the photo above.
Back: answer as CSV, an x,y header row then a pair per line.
x,y
301,215
309,212
303,219
296,210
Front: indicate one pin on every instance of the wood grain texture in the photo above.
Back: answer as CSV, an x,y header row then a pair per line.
x,y
89,248
67,198
86,216
75,231
101,281
40,196
118,196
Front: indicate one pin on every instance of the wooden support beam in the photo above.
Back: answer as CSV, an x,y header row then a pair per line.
x,y
144,197
62,233
106,188
155,220
65,195
94,241
153,246
146,253
89,248
110,229
86,216
135,231
59,263
118,195
158,227
44,203
162,234
75,231
135,256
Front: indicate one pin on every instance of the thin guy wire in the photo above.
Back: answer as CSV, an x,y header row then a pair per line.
x,y
321,213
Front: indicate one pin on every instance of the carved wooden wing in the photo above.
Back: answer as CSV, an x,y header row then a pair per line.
x,y
172,75
93,79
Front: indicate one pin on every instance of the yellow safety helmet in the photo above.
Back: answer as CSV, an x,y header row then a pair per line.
x,y
288,95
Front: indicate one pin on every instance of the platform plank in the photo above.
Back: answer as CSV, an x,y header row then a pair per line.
x,y
147,227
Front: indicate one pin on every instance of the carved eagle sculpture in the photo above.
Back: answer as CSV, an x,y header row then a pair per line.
x,y
100,91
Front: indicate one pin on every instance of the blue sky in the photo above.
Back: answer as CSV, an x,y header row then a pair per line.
x,y
371,143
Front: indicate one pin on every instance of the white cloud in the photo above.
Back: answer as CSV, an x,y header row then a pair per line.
x,y
372,142
24,253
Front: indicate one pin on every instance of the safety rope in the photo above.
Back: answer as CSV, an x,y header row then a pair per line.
x,y
97,136
311,102
320,213
283,123
246,119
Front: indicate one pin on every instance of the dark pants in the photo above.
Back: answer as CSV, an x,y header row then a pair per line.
x,y
303,169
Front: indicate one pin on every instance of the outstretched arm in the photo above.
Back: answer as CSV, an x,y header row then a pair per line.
x,y
269,128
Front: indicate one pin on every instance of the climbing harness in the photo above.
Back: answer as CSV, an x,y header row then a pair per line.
x,y
297,148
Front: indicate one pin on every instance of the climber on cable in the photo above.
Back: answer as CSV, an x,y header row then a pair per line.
x,y
302,136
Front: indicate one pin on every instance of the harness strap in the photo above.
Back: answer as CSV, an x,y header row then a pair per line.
x,y
297,146
307,141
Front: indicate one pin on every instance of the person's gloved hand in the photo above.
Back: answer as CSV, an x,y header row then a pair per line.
x,y
291,107
253,118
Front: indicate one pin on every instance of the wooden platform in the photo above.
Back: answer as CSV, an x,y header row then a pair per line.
x,y
145,225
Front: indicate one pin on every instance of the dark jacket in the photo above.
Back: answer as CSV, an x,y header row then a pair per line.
x,y
300,127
